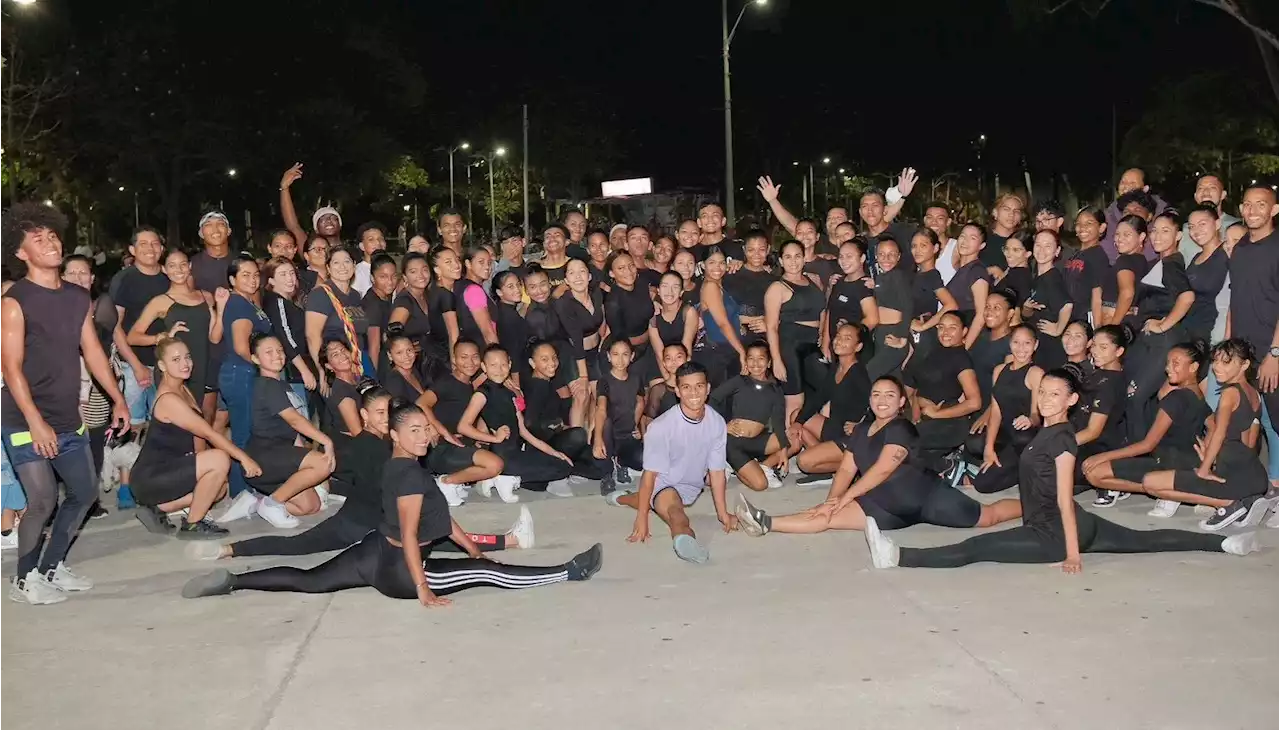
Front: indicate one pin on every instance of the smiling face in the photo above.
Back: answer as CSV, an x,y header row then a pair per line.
x,y
693,390
1209,190
685,264
269,356
807,233
1258,208
146,249
1015,253
673,356
669,290
846,341
374,415
624,271
510,291
1075,341
1088,229
448,267
995,315
284,280
538,287
175,360
544,361
337,358
756,252
283,246
341,268
1181,368
970,241
1046,250
553,241
792,259
951,331
577,225
41,248
402,354
215,232
417,274
327,225
385,279
620,355
1104,351
497,366
1022,345
887,255
1128,240
711,221
316,253
713,269
577,276
466,360
663,250
758,362
687,234
1229,369
247,279
177,267
1203,228
1054,397
1165,235
451,229
78,272
922,250
480,265
938,220
598,248
851,260
413,434
887,400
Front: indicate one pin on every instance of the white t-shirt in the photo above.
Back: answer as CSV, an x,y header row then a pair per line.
x,y
363,279
945,265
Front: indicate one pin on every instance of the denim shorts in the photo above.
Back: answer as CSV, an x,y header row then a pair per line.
x,y
138,399
24,452
11,494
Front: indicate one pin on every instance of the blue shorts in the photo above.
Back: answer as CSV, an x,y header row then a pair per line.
x,y
11,494
140,400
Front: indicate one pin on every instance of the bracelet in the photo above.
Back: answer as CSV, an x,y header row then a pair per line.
x,y
419,585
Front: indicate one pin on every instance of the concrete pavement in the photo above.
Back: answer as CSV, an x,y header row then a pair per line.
x,y
780,631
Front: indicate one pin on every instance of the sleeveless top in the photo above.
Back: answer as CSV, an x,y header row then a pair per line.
x,y
670,333
167,441
1244,416
196,338
805,305
710,332
1011,392
53,320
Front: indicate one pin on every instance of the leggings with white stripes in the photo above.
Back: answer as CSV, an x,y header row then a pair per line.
x,y
376,562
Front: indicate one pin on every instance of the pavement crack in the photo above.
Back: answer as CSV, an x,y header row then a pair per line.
x,y
269,708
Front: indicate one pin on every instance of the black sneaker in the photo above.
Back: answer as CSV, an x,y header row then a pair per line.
x,y
814,480
1224,516
217,583
156,522
1109,498
586,564
204,529
97,511
607,484
621,475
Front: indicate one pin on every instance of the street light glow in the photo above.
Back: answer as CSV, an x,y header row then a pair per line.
x,y
982,138
501,151
762,3
122,188
826,160
464,146
48,203
406,209
231,172
841,171
24,2
795,164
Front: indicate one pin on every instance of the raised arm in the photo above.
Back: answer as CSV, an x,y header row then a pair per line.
x,y
769,192
290,216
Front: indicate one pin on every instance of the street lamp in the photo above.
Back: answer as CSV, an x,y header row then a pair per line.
x,y
464,147
726,37
493,217
24,2
231,172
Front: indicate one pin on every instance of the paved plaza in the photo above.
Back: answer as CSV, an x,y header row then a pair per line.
x,y
778,632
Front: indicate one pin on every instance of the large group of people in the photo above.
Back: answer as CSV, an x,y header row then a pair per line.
x,y
905,366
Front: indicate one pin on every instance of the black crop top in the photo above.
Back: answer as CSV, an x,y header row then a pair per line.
x,y
578,323
628,312
439,303
924,293
402,477
805,305
670,333
751,400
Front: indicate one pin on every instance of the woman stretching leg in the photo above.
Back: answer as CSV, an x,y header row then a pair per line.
x,y
1054,528
391,560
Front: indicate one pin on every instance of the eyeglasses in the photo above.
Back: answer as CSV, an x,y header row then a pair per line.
x,y
313,249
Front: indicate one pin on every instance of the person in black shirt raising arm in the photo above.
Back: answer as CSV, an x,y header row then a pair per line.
x,y
46,328
391,559
1054,528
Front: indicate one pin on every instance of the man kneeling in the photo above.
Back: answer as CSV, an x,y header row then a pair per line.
x,y
683,451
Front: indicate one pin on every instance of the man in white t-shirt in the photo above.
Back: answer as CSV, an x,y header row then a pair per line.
x,y
683,451
937,218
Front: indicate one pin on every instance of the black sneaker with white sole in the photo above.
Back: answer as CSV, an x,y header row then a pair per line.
x,y
97,511
156,522
1109,498
607,483
205,529
621,474
1229,515
814,480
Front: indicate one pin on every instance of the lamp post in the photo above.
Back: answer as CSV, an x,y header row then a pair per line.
x,y
464,147
493,217
726,37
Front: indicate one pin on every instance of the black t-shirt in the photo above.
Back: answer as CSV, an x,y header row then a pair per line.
x,y
1019,281
961,285
500,410
439,302
620,397
1085,271
1207,279
648,278
894,290
556,274
359,463
1188,412
732,249
986,355
821,270
399,387
1159,289
937,377
377,310
318,301
748,288
908,486
1132,262
452,397
402,477
270,399
628,312
1038,477
418,324
924,293
133,290
1050,290
1253,292
845,303
468,327
545,411
53,321
339,391
210,273
992,253
1104,392
901,233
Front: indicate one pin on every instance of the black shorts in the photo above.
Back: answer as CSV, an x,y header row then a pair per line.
x,y
445,458
160,481
1133,470
279,461
943,506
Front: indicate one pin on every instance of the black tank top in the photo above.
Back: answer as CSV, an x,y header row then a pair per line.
x,y
805,305
500,410
671,333
1011,392
468,328
53,320
167,440
1243,417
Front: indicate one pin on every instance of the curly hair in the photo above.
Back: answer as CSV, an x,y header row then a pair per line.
x,y
21,219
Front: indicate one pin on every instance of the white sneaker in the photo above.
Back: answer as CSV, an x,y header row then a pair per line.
x,y
771,477
243,506
35,589
559,488
1257,512
1274,522
522,530
10,541
1241,544
324,496
63,579
180,513
275,513
884,553
452,492
1164,508
635,473
507,486
486,487
204,550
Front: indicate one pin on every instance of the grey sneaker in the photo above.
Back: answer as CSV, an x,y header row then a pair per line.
x,y
218,583
690,550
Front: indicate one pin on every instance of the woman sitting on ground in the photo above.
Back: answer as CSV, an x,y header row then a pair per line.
x,y
455,462
754,409
1055,529
1230,477
169,474
392,560
548,415
1170,442
404,379
891,487
289,472
1099,417
1010,422
841,403
494,417
943,389
360,463
342,404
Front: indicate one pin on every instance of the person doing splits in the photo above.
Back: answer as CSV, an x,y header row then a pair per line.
x,y
391,559
1054,528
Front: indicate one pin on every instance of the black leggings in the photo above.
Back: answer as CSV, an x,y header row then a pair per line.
x,y
534,468
999,478
721,362
573,443
942,506
342,530
1030,545
1144,364
628,450
887,360
798,348
377,563
939,437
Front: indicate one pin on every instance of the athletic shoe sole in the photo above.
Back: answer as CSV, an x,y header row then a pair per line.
x,y
690,550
